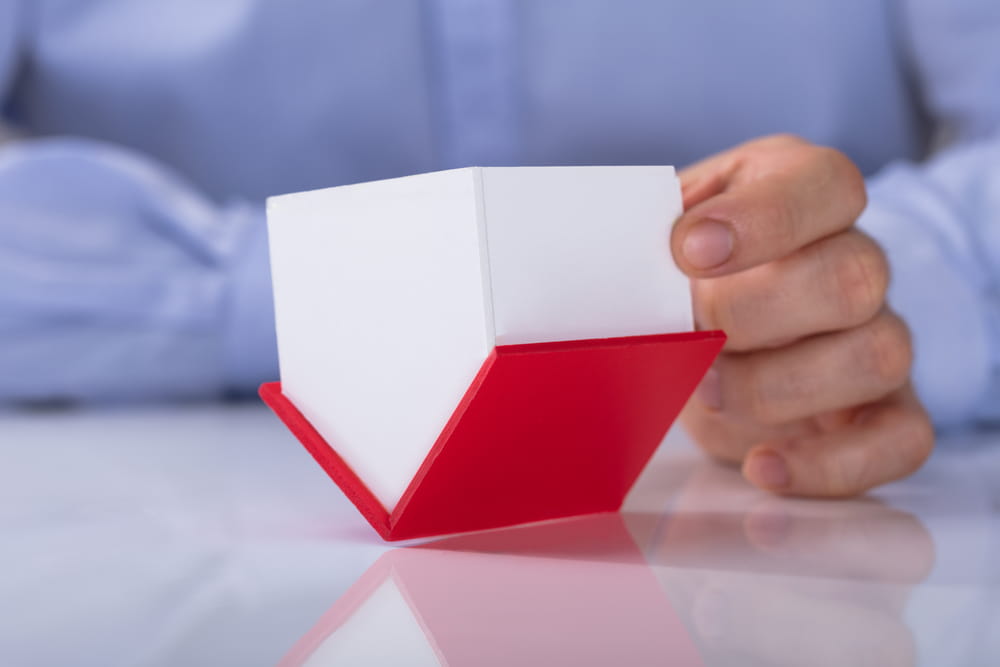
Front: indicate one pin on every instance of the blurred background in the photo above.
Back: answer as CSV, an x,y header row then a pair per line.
x,y
133,257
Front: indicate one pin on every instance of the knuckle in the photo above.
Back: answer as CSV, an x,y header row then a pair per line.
x,y
760,403
848,477
860,277
845,172
782,217
888,352
856,191
918,439
713,435
852,472
718,306
907,440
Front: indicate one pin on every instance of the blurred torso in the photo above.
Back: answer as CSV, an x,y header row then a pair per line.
x,y
249,98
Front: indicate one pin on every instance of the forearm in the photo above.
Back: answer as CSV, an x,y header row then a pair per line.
x,y
118,281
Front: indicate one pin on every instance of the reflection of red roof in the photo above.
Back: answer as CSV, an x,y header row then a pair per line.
x,y
546,430
568,593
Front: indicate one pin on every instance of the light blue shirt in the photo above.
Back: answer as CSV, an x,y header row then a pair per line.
x,y
132,246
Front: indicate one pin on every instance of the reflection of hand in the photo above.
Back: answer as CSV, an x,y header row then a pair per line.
x,y
791,582
812,392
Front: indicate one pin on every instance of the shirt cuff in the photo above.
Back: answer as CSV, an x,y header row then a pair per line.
x,y
950,327
249,352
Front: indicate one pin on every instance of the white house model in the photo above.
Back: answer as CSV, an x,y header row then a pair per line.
x,y
390,295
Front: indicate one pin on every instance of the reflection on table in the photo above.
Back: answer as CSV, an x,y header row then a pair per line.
x,y
206,536
769,581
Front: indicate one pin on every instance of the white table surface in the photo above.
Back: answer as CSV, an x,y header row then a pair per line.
x,y
205,535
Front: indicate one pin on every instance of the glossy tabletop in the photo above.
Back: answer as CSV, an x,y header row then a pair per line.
x,y
205,535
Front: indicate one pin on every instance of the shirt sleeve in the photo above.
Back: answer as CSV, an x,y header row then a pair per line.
x,y
939,221
940,225
118,281
9,42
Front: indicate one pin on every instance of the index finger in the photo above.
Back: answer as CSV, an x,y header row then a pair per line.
x,y
762,205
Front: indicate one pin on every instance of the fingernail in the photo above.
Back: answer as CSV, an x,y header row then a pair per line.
x,y
708,244
709,391
767,469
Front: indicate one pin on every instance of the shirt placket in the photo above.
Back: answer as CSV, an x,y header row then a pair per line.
x,y
473,51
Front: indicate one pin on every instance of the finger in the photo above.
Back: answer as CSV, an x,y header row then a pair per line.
x,y
816,193
821,374
741,164
710,176
888,441
705,180
727,439
834,284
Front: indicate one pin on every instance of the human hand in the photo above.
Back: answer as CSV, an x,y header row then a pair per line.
x,y
811,393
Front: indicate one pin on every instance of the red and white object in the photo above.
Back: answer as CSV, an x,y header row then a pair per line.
x,y
565,593
483,347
